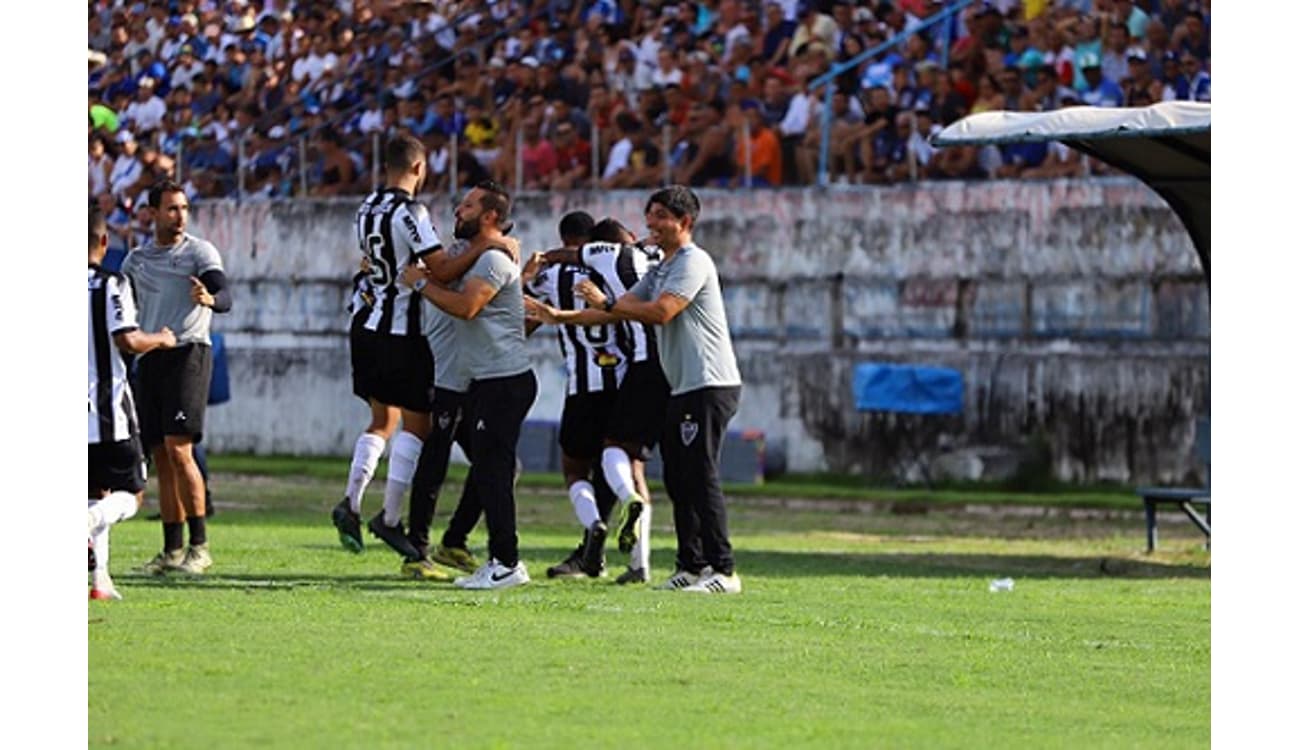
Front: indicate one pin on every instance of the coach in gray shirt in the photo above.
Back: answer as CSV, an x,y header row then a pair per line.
x,y
682,296
488,304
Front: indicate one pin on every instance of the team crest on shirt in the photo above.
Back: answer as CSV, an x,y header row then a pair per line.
x,y
689,430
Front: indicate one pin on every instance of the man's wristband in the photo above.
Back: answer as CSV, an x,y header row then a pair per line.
x,y
609,304
420,285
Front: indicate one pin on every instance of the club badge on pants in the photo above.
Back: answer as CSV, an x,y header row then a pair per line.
x,y
689,430
444,421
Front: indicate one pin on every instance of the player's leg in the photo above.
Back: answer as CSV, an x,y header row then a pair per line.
x,y
702,428
407,379
636,530
181,431
581,434
431,469
366,452
454,548
498,408
690,560
117,480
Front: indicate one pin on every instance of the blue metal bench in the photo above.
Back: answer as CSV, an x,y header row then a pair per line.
x,y
1186,498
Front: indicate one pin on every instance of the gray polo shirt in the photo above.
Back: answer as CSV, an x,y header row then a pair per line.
x,y
440,330
695,347
492,344
161,277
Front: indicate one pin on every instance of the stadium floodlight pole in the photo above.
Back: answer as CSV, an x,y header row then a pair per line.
x,y
302,163
668,167
374,161
454,166
749,161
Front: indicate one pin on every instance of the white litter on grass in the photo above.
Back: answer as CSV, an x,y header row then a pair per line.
x,y
1001,584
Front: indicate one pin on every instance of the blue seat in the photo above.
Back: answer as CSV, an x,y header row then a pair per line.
x,y
1186,498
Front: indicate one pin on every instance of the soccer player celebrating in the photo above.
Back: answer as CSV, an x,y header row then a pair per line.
x,y
392,363
117,476
488,306
595,365
615,264
683,298
179,282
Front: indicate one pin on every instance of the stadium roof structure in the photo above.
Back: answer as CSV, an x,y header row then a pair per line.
x,y
1165,145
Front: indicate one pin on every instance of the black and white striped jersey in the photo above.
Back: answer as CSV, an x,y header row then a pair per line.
x,y
393,230
616,268
592,357
108,392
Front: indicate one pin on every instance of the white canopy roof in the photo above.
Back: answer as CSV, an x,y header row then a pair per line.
x,y
1166,145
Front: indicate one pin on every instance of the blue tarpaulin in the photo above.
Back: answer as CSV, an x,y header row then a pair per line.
x,y
907,389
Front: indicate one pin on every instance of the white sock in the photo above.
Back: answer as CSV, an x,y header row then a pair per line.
x,y
100,540
402,460
118,506
365,457
583,497
618,472
640,557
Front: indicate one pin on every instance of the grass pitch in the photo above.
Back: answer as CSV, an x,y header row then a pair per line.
x,y
855,629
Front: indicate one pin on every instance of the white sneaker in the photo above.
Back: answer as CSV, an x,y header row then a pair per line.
x,y
716,583
494,575
683,578
103,589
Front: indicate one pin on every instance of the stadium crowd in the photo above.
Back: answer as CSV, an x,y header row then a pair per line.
x,y
708,93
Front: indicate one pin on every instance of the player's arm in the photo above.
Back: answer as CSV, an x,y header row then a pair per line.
x,y
135,341
538,311
465,304
630,306
210,289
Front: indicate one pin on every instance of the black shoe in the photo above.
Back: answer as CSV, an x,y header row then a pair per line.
x,y
593,550
631,575
393,536
627,534
570,568
349,526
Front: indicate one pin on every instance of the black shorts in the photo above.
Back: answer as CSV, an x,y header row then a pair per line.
x,y
585,423
173,397
639,411
393,370
116,466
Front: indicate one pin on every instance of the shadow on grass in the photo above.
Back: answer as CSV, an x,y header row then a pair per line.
x,y
936,565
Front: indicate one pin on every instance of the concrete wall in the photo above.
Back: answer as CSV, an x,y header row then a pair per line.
x,y
1076,311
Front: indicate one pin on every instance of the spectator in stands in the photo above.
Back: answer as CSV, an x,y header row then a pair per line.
x,y
1139,84
634,161
705,159
762,149
1191,82
814,26
1114,60
1191,37
127,167
100,165
990,96
539,159
777,33
572,157
1098,90
146,113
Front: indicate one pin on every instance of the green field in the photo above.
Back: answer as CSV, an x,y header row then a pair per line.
x,y
861,625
